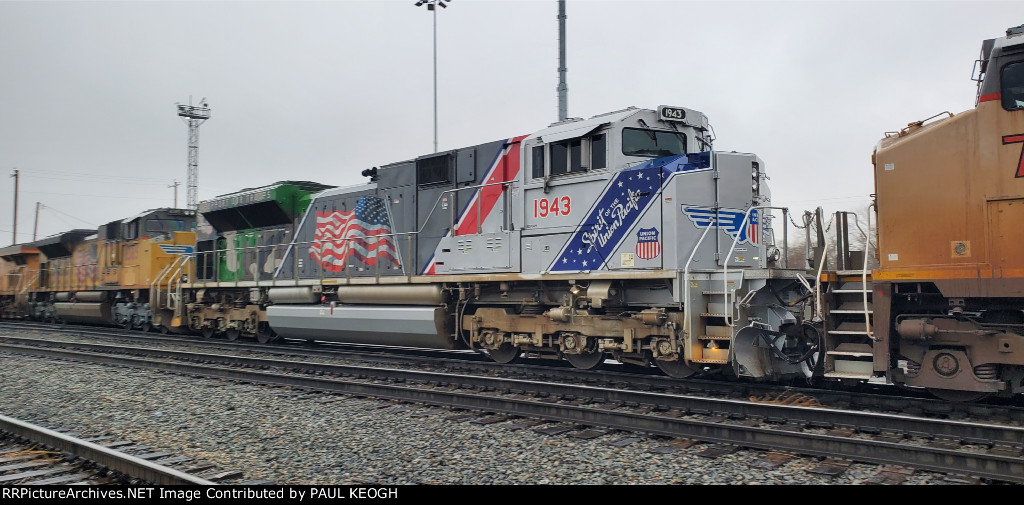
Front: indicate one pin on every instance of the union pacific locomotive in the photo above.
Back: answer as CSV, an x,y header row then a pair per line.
x,y
624,235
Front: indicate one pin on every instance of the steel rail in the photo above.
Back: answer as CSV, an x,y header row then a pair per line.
x,y
767,436
630,379
103,456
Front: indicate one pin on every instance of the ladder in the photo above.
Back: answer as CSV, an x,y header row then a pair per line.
x,y
849,318
849,313
712,339
171,300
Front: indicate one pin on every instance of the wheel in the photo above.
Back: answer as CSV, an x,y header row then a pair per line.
x,y
955,396
585,361
146,327
208,332
126,324
678,369
164,330
505,354
232,334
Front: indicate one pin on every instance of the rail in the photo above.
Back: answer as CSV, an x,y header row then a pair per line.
x,y
115,460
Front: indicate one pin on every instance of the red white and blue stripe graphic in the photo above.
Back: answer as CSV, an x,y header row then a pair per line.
x,y
504,168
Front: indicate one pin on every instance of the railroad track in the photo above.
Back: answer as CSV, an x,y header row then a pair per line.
x,y
622,377
34,455
945,445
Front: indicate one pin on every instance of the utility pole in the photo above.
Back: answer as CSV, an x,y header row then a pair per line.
x,y
14,235
193,116
175,186
35,230
563,88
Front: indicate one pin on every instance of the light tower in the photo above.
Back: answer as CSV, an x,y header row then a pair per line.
x,y
432,6
563,88
193,116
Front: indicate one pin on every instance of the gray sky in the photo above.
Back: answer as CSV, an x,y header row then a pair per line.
x,y
322,90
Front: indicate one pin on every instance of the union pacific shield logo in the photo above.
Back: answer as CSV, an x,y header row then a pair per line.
x,y
647,244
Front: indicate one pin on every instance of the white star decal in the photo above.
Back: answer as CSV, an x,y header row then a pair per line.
x,y
620,184
565,260
584,262
579,251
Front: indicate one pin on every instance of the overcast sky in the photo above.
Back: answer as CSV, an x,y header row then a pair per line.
x,y
322,90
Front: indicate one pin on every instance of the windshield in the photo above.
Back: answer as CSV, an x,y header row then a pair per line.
x,y
652,143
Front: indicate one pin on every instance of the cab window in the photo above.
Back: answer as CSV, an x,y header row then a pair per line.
x,y
131,230
538,162
565,157
652,143
598,152
1013,86
164,225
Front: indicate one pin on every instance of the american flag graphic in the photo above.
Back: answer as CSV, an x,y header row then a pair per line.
x,y
647,244
364,233
754,228
85,265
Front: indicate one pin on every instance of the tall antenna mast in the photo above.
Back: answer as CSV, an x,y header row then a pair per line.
x,y
193,116
563,88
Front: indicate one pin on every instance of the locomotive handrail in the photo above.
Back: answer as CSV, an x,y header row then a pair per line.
x,y
817,282
156,284
293,245
864,271
176,279
29,283
154,290
725,264
686,289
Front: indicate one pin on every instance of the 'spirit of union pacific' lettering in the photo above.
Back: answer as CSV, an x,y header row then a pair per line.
x,y
603,230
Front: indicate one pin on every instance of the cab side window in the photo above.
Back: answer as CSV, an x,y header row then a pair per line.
x,y
538,162
565,157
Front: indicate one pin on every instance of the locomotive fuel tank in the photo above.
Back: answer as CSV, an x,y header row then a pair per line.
x,y
409,326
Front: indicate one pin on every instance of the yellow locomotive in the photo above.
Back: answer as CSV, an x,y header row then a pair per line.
x,y
950,209
98,276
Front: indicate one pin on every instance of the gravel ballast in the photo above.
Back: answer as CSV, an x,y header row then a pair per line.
x,y
297,437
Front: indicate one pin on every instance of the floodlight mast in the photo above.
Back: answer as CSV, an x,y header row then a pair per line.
x,y
432,6
193,116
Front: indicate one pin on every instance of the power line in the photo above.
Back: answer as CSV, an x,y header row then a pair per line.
x,y
61,172
89,195
68,215
93,180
